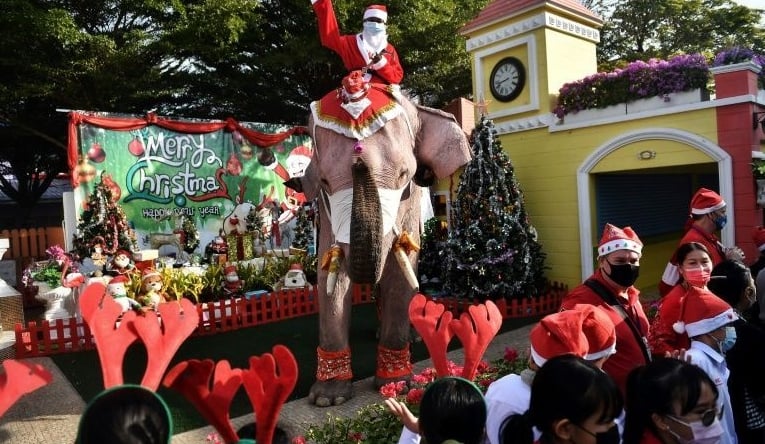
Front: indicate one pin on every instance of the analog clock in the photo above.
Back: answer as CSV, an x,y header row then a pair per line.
x,y
507,79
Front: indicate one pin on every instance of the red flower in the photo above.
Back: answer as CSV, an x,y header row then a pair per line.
x,y
414,396
356,436
299,440
485,383
483,366
511,354
389,390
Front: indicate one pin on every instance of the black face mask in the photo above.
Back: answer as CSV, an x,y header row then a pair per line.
x,y
610,436
624,274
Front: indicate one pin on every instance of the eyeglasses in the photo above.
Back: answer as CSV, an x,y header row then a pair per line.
x,y
707,417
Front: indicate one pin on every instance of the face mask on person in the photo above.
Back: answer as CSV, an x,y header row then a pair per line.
x,y
610,436
374,27
729,340
624,274
698,277
720,220
702,434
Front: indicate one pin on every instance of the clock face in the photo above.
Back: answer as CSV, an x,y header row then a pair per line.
x,y
507,79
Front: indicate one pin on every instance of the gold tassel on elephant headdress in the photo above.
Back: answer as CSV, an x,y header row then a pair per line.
x,y
331,262
401,249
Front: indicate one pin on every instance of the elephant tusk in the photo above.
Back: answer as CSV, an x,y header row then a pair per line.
x,y
331,262
401,248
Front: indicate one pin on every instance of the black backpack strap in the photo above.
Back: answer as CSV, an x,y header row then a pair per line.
x,y
611,300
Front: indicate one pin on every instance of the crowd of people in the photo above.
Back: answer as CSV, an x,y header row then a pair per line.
x,y
600,371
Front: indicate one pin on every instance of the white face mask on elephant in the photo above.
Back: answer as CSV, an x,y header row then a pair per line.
x,y
340,205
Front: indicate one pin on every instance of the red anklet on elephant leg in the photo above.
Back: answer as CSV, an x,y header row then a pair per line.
x,y
393,363
334,364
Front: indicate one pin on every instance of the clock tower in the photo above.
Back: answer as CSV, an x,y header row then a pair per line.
x,y
523,51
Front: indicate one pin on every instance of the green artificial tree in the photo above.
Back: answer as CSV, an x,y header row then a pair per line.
x,y
103,217
190,234
254,223
303,230
492,250
431,260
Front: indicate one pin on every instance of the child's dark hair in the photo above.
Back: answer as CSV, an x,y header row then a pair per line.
x,y
127,414
452,408
728,281
566,387
655,388
685,249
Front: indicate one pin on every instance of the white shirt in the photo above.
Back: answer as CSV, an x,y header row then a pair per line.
x,y
713,364
506,396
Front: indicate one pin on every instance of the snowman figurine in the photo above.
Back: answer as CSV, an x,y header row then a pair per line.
x,y
117,289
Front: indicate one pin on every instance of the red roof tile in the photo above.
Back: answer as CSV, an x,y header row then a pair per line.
x,y
499,9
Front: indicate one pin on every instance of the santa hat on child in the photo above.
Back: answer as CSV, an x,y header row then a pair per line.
x,y
558,334
376,11
615,238
706,201
599,330
702,312
758,236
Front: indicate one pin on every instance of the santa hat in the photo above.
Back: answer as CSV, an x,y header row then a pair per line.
x,y
148,273
119,279
376,11
296,266
758,236
599,330
702,312
301,150
230,269
558,334
615,238
706,201
123,253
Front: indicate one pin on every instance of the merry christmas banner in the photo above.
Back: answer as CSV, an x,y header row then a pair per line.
x,y
160,171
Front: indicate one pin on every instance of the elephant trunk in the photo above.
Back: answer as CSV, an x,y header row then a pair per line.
x,y
366,227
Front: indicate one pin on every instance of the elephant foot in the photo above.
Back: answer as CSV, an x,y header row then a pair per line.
x,y
331,392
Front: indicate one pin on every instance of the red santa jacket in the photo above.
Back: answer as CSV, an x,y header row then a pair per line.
x,y
629,353
694,234
662,337
348,47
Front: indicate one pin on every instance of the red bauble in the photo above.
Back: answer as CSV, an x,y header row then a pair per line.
x,y
136,147
96,153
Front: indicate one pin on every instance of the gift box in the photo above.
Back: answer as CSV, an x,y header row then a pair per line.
x,y
240,247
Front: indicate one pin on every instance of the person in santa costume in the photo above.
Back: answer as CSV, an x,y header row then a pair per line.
x,y
369,48
756,314
611,288
708,215
708,321
695,267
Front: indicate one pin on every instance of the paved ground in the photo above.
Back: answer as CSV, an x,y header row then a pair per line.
x,y
51,414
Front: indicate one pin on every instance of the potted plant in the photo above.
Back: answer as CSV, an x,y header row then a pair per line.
x,y
758,172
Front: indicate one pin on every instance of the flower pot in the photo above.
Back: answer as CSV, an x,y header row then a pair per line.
x,y
588,115
668,101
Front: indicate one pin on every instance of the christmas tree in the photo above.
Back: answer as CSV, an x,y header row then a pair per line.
x,y
103,217
492,250
303,230
254,224
431,261
190,234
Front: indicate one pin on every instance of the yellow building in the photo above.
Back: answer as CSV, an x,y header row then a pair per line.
x,y
633,164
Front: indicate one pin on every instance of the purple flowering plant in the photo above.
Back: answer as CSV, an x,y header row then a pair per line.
x,y
738,54
637,80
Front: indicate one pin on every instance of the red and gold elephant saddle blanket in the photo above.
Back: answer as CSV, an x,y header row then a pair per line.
x,y
359,114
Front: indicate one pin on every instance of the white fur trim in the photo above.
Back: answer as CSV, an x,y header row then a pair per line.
x,y
710,324
671,276
708,210
538,359
356,108
619,244
601,354
679,327
375,13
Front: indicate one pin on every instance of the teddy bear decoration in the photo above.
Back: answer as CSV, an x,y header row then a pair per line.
x,y
151,289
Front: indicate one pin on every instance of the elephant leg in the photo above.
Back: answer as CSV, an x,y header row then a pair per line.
x,y
393,355
333,384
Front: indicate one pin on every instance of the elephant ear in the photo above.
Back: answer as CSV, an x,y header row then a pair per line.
x,y
310,180
441,146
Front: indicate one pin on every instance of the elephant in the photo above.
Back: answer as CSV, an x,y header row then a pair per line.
x,y
368,190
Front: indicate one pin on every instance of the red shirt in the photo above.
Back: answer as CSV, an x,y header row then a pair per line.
x,y
348,47
694,234
662,337
629,353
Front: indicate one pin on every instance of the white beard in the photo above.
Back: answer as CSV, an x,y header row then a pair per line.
x,y
375,42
